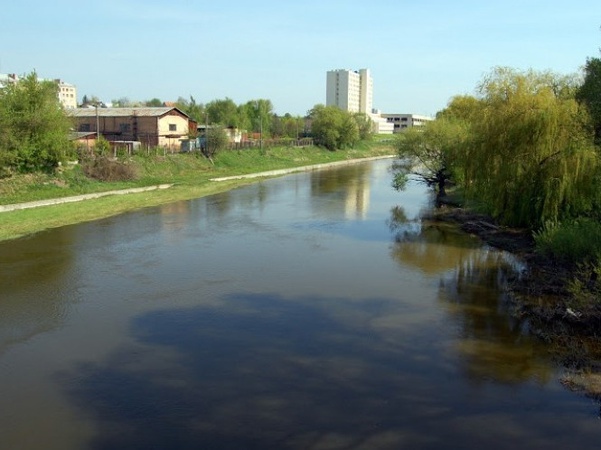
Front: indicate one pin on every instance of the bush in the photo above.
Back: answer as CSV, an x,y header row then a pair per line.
x,y
102,147
34,129
105,169
333,128
215,141
575,242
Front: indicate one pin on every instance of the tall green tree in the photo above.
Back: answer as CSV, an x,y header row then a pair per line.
x,y
333,128
34,129
530,158
461,107
349,131
259,115
287,126
223,112
429,153
365,126
123,102
589,93
195,110
154,102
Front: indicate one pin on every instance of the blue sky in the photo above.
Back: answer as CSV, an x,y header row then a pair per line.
x,y
420,53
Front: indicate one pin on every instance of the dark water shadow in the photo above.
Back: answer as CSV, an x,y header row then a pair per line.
x,y
258,371
263,371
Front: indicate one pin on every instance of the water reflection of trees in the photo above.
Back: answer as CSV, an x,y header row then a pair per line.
x,y
431,247
492,343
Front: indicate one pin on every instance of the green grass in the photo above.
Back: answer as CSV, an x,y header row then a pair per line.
x,y
577,241
189,173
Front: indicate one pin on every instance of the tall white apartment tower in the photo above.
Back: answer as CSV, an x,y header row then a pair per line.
x,y
350,90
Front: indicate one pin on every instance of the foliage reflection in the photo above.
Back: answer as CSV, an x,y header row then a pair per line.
x,y
492,343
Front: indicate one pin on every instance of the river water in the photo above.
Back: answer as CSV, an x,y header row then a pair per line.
x,y
312,311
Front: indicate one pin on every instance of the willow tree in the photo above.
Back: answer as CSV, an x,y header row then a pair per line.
x,y
589,93
531,158
429,153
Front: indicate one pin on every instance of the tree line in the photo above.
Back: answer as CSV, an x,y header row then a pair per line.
x,y
254,116
34,128
331,127
524,149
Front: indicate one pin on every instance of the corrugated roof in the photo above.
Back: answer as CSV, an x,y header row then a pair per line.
x,y
80,134
123,112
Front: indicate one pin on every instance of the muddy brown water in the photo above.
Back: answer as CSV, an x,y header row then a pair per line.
x,y
311,311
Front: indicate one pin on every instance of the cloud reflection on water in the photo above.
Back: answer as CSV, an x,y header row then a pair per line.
x,y
264,371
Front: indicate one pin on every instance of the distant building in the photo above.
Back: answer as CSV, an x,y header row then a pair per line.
x,y
402,122
6,78
151,126
381,125
67,93
350,90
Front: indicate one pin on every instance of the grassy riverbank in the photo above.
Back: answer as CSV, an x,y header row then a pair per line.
x,y
189,174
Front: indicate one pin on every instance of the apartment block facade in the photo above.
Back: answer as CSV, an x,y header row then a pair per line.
x,y
67,93
350,90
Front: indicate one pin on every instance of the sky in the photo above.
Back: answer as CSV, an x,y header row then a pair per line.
x,y
420,54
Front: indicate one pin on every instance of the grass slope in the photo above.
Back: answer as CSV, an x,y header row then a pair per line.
x,y
189,173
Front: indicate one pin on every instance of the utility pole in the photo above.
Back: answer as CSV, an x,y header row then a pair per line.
x,y
260,125
260,131
97,124
207,133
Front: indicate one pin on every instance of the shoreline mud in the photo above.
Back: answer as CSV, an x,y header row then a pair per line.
x,y
567,323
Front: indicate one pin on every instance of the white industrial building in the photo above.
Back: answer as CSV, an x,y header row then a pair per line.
x,y
401,122
352,91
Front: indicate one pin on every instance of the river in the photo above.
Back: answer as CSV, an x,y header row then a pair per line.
x,y
311,311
